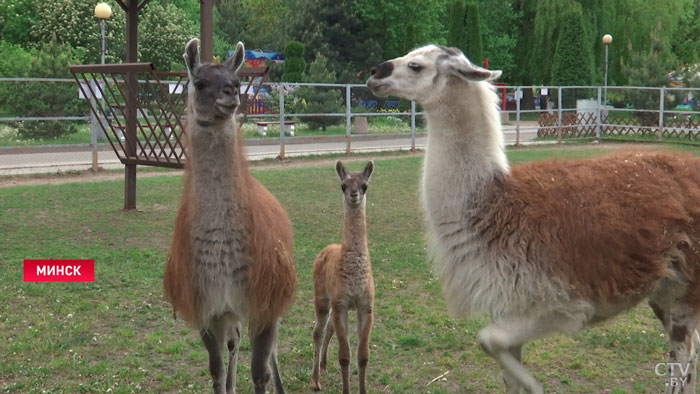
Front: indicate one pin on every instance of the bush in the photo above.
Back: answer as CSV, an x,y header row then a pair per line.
x,y
47,98
313,99
294,63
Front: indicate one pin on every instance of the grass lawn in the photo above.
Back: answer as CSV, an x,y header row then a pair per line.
x,y
117,334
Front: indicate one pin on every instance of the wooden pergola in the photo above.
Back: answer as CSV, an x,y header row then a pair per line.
x,y
131,87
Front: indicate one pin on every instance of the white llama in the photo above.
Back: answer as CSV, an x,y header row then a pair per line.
x,y
551,246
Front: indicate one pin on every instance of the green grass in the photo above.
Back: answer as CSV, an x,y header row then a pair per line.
x,y
117,334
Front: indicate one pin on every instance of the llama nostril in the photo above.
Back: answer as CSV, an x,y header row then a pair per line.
x,y
227,91
372,70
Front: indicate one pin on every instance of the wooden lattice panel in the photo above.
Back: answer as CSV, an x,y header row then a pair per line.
x,y
573,125
124,91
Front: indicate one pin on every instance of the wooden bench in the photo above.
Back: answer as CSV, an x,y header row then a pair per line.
x,y
262,127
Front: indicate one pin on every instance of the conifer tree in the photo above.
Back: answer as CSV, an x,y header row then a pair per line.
x,y
294,63
472,34
572,63
316,99
455,30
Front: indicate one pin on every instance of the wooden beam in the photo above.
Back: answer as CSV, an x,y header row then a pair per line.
x,y
206,29
132,20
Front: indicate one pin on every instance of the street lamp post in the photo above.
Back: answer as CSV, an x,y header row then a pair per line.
x,y
102,12
607,40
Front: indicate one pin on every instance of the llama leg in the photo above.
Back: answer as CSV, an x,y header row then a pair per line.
x,y
216,362
340,322
322,311
233,342
328,334
274,364
365,319
501,341
262,345
681,369
512,384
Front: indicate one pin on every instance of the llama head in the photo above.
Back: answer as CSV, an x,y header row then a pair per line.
x,y
424,72
354,184
214,88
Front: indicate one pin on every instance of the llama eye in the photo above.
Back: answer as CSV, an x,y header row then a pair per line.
x,y
415,67
198,84
364,188
343,186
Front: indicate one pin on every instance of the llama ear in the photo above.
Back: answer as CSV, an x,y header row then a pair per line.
x,y
191,56
235,62
340,169
461,67
369,169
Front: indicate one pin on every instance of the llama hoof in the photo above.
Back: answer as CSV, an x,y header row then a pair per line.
x,y
316,387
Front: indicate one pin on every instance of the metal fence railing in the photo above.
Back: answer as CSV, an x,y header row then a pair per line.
x,y
292,113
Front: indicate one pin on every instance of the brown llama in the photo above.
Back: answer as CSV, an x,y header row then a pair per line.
x,y
551,246
343,280
231,258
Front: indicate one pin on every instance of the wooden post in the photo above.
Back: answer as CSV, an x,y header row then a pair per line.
x,y
206,29
132,20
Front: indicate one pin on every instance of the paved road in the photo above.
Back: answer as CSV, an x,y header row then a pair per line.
x,y
48,160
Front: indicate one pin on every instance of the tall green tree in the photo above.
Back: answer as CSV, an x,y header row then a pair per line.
x,y
163,32
685,44
331,28
456,29
648,67
16,20
572,59
399,26
499,33
472,41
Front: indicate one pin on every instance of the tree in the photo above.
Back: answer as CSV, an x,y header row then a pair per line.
x,y
16,20
648,68
163,32
456,29
572,62
499,32
395,27
73,23
38,99
333,29
294,63
685,44
472,41
313,99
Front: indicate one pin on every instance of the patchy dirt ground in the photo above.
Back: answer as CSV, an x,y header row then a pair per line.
x,y
103,175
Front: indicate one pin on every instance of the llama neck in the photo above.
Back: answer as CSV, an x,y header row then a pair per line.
x,y
214,162
355,230
465,148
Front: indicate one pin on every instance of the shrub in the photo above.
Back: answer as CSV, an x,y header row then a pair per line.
x,y
294,63
314,99
42,100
